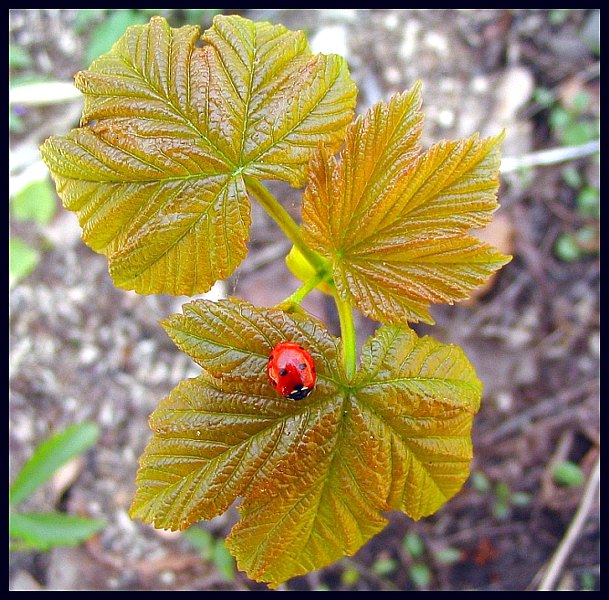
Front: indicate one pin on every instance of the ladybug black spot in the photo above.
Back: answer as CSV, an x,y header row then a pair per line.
x,y
283,372
302,366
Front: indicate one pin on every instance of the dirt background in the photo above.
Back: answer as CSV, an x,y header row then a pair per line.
x,y
81,349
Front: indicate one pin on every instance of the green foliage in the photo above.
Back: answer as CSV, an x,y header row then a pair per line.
x,y
22,260
572,124
568,474
384,566
212,550
448,556
414,545
505,499
420,575
349,576
43,531
177,132
588,582
109,30
19,57
480,482
107,26
35,202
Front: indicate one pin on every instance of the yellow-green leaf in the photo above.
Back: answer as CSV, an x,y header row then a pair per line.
x,y
315,475
393,222
168,131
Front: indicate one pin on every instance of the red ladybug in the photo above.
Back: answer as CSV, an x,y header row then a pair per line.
x,y
291,370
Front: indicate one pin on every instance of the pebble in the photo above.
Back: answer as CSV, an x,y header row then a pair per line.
x,y
330,40
513,91
410,39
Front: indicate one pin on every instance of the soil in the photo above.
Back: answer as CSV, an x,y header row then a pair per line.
x,y
81,349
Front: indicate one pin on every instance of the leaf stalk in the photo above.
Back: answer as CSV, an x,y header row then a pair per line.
x,y
284,220
293,301
347,331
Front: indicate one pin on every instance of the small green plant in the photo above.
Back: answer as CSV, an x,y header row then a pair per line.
x,y
212,550
568,474
176,136
505,499
43,531
22,260
571,125
34,203
418,572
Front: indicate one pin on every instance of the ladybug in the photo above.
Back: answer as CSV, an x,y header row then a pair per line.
x,y
291,370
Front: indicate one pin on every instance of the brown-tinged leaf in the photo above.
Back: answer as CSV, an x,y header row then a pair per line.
x,y
394,223
168,131
315,475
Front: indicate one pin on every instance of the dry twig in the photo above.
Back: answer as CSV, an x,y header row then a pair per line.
x,y
559,558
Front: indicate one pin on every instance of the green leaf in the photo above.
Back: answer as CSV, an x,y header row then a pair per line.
x,y
420,575
19,57
393,223
578,132
384,566
43,531
567,248
35,202
49,456
15,122
568,474
202,540
224,561
480,482
169,129
22,260
448,556
315,475
572,177
414,545
109,30
588,202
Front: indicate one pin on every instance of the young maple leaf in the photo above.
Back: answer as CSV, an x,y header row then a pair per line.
x,y
315,475
393,222
170,130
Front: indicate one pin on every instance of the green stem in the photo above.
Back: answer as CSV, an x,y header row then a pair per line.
x,y
284,220
298,296
347,331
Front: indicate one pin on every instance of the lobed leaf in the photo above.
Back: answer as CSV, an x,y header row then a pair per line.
x,y
168,131
394,222
315,475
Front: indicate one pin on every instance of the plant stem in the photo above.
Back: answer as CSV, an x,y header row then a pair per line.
x,y
509,164
347,331
292,231
284,220
298,296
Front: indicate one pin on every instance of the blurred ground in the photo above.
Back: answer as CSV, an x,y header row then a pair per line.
x,y
83,349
